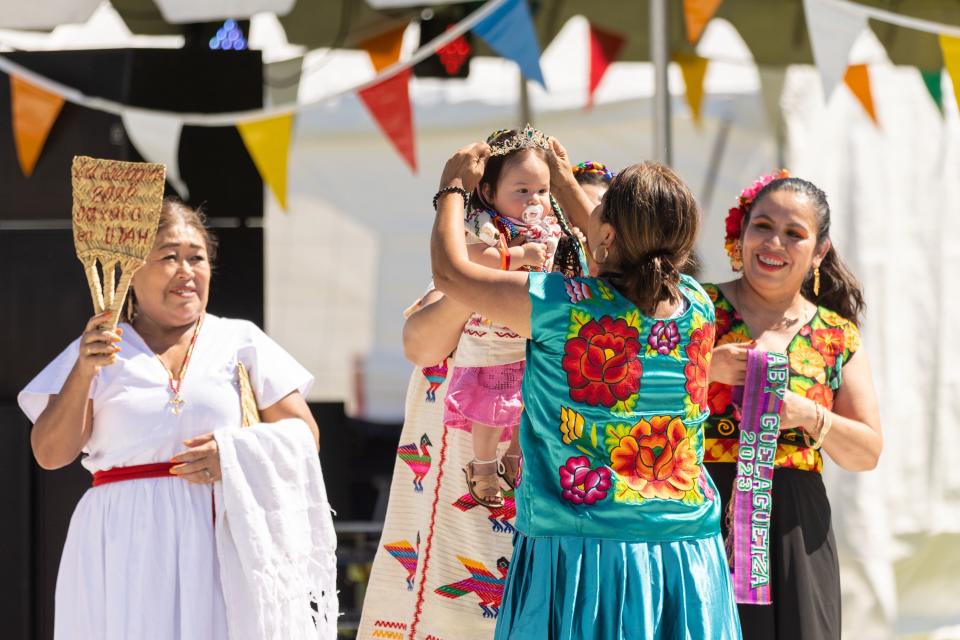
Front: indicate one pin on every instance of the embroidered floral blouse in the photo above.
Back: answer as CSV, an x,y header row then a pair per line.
x,y
614,404
816,353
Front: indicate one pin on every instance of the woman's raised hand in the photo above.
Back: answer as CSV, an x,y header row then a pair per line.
x,y
728,364
98,347
559,161
465,168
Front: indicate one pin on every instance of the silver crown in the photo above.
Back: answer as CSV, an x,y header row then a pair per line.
x,y
528,138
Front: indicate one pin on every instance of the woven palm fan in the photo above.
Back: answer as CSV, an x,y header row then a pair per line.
x,y
116,211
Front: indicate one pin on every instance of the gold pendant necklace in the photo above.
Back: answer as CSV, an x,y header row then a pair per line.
x,y
176,402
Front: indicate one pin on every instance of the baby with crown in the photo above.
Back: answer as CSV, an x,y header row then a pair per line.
x,y
511,223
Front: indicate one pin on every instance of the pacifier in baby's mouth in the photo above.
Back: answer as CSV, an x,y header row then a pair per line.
x,y
532,214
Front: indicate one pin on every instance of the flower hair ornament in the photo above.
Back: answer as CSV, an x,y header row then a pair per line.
x,y
594,168
527,138
737,214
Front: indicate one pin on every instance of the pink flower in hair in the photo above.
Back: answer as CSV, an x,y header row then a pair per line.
x,y
736,215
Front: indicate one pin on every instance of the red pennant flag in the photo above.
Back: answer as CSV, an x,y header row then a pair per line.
x,y
389,104
605,46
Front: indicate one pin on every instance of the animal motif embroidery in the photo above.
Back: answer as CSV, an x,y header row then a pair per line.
x,y
487,587
499,517
407,556
435,375
419,461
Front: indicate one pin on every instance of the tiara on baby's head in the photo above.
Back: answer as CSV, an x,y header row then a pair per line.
x,y
528,138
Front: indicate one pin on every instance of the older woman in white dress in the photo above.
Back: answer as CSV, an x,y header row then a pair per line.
x,y
140,404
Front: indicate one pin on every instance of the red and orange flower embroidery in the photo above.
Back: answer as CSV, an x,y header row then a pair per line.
x,y
601,362
656,460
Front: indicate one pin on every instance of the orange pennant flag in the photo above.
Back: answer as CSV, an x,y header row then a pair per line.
x,y
696,15
694,69
384,49
858,79
34,111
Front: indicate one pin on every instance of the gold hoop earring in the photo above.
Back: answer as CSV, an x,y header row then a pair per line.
x,y
736,256
816,281
606,254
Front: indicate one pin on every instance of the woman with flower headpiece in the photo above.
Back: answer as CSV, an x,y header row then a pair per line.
x,y
594,179
794,297
618,532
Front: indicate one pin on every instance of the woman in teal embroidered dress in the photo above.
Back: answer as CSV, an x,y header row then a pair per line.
x,y
618,523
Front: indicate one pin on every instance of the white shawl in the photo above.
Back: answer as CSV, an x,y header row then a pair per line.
x,y
275,537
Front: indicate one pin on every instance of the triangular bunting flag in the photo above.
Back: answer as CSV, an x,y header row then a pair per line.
x,y
389,104
694,68
696,15
283,81
509,31
833,30
187,11
605,46
951,59
771,88
157,138
33,111
268,142
933,80
857,78
384,49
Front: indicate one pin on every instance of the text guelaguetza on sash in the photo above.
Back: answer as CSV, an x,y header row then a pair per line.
x,y
763,390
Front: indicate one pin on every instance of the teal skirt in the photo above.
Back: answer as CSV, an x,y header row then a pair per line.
x,y
571,588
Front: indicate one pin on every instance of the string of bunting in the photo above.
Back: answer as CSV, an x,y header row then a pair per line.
x,y
505,25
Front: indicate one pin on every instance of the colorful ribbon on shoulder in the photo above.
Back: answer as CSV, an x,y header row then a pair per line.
x,y
766,382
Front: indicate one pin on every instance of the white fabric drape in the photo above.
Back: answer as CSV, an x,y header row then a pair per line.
x,y
275,538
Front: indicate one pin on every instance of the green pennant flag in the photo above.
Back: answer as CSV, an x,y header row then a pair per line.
x,y
932,80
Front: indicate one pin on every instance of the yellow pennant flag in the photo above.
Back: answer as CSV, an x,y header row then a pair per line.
x,y
696,15
857,79
268,142
384,49
951,59
694,69
34,111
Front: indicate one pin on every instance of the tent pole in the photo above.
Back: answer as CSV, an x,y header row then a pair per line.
x,y
525,116
660,56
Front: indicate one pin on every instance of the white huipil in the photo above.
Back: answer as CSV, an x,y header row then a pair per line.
x,y
140,559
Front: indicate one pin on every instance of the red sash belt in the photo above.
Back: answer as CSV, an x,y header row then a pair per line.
x,y
133,472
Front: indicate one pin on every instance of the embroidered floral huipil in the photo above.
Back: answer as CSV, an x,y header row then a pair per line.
x,y
614,406
816,354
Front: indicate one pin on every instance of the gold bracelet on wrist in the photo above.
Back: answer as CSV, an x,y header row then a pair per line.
x,y
818,427
825,429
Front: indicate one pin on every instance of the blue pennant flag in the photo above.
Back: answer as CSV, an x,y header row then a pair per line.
x,y
509,31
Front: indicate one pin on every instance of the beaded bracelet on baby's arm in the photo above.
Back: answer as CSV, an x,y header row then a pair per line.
x,y
445,190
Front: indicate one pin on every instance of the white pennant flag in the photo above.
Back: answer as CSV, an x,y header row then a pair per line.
x,y
46,14
157,138
771,88
283,81
183,11
833,28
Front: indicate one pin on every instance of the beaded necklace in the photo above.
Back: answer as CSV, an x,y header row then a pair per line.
x,y
175,384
